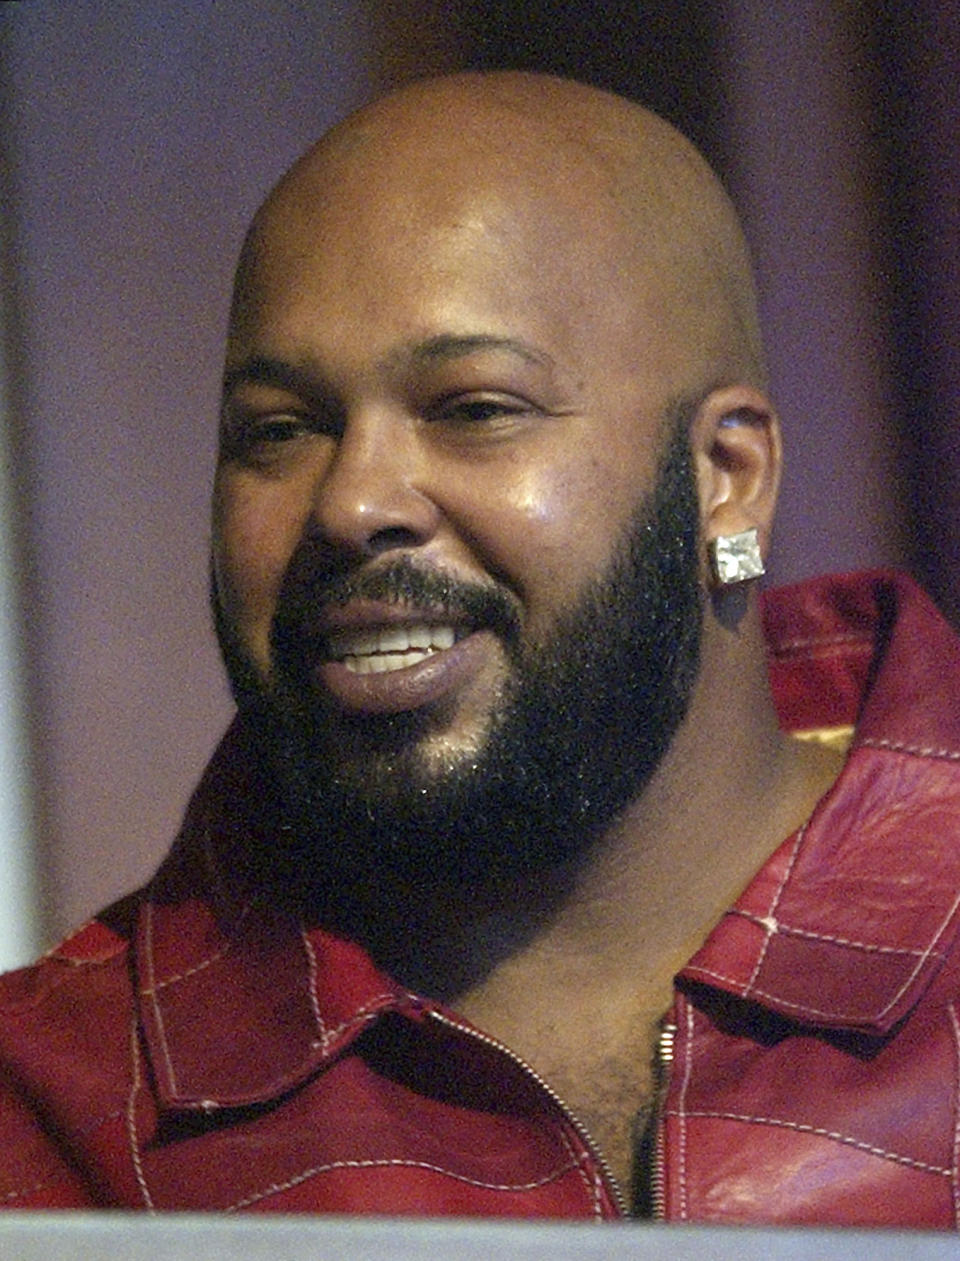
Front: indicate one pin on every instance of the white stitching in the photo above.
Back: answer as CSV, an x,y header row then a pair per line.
x,y
923,958
276,1187
915,750
37,1186
788,873
132,1118
803,1008
823,642
362,1015
151,993
210,861
809,935
149,990
840,1015
593,1184
681,1112
323,1040
771,923
787,930
204,963
846,1139
955,1188
327,1036
37,1000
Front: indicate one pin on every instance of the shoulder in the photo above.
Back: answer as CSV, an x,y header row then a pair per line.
x,y
65,1063
98,948
74,1004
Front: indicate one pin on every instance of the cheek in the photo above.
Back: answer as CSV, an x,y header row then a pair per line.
x,y
254,535
551,533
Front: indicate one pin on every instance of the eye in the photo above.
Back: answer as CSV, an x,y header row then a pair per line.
x,y
274,429
477,409
259,437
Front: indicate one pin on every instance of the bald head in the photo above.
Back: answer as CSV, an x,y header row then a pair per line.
x,y
620,207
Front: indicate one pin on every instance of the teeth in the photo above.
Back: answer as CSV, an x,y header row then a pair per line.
x,y
364,641
382,663
419,636
378,651
394,639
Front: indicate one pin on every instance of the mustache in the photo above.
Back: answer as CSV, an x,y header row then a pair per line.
x,y
425,588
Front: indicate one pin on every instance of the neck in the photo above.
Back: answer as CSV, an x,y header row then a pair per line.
x,y
731,788
642,896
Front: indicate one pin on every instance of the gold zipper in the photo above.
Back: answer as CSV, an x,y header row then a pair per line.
x,y
582,1131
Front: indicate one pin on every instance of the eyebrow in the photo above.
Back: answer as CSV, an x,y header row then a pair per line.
x,y
452,346
445,347
264,370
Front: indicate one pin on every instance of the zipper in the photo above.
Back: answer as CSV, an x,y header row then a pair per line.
x,y
649,1157
663,1066
569,1115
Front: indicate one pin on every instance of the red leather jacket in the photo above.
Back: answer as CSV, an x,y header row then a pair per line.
x,y
188,1051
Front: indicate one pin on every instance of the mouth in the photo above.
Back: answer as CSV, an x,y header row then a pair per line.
x,y
383,649
382,656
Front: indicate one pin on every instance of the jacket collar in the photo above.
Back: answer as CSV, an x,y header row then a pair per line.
x,y
238,1001
849,921
844,926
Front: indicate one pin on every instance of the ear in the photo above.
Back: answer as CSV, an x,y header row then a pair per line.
x,y
735,438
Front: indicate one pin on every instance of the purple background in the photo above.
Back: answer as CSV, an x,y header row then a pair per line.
x,y
139,139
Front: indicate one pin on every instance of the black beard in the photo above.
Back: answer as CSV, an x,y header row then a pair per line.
x,y
586,717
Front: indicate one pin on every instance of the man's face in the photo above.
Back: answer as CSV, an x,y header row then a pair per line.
x,y
583,720
442,429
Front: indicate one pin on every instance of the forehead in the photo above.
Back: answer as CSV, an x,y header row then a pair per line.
x,y
439,210
428,215
407,245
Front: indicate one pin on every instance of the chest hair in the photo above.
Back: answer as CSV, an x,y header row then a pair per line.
x,y
612,1090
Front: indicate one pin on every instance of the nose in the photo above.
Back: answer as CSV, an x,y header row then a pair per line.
x,y
370,498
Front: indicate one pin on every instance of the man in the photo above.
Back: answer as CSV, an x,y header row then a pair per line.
x,y
496,469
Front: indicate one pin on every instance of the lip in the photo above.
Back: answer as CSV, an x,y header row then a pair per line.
x,y
410,687
369,614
